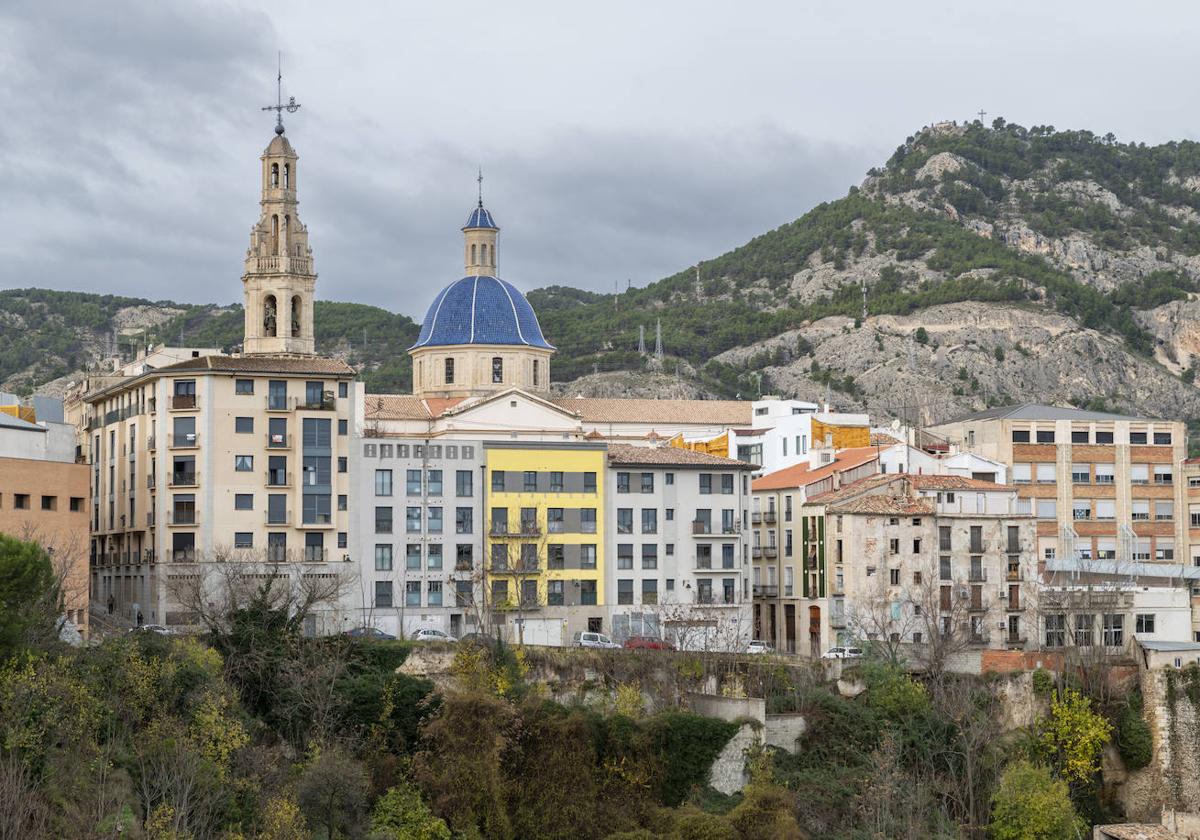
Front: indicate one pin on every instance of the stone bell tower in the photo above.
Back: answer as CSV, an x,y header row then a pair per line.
x,y
279,281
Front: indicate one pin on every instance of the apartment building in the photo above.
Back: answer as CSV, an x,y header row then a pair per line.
x,y
926,561
678,558
544,571
416,532
776,535
43,497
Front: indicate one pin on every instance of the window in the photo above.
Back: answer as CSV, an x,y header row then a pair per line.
x,y
1139,473
589,482
343,389
412,520
243,501
383,557
1081,509
1144,623
916,546
243,425
649,521
412,593
536,373
556,482
669,479
76,504
647,482
649,556
434,481
383,593
1162,439
624,520
1106,510
669,514
1164,510
435,593
555,523
622,482
412,482
497,481
435,520
1020,436
383,519
706,483
624,555
383,482
1022,473
412,557
944,572
49,503
1045,436
727,484
497,370
894,577
944,538
1114,630
894,545
243,463
433,560
243,386
1080,436
464,559
1081,474
449,371
464,483
556,556
1137,438
1045,473
1103,438
1163,474
1056,630
1047,509
463,520
1104,473
587,556
316,433
624,591
1141,510
243,539
649,591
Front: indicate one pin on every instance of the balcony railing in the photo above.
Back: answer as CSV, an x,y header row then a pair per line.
x,y
186,441
715,598
279,441
183,402
770,552
150,479
183,555
182,517
837,620
1014,639
1014,575
978,638
278,478
523,529
326,402
279,517
317,519
184,479
278,402
515,568
766,590
152,443
756,552
769,517
756,518
977,576
315,554
150,519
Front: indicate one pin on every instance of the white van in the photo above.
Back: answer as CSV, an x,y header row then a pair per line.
x,y
593,640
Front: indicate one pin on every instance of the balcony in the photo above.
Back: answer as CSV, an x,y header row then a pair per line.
x,y
280,264
279,402
317,520
315,554
183,402
978,638
766,590
150,479
279,441
769,517
278,478
516,569
326,402
190,440
152,443
756,552
715,599
184,479
1014,575
1014,640
837,621
507,531
977,576
183,555
770,552
279,517
182,517
150,519
756,518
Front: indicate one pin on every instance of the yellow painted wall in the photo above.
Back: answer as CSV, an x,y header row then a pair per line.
x,y
718,446
567,459
21,412
844,437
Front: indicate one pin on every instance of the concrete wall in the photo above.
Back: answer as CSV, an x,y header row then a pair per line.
x,y
728,708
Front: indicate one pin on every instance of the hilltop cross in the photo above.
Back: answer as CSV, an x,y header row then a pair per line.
x,y
279,107
982,114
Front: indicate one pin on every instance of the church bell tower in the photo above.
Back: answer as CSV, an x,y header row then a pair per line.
x,y
279,281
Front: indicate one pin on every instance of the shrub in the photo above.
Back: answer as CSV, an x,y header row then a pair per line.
x,y
688,744
401,814
1134,741
1043,682
1029,804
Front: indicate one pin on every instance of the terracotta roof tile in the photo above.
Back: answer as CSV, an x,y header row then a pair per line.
x,y
406,407
915,481
801,475
624,454
263,363
882,503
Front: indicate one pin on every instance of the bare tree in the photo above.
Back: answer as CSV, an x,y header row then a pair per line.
x,y
882,617
24,812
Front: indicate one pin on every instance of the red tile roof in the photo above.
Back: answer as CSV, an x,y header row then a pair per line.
x,y
624,454
802,475
899,505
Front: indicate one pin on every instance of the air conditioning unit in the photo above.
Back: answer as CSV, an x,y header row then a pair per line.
x,y
1000,625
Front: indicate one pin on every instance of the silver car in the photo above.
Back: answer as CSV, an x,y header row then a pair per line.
x,y
593,640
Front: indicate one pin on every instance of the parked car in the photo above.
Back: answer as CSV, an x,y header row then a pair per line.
x,y
429,634
759,646
648,643
368,633
593,640
843,653
151,628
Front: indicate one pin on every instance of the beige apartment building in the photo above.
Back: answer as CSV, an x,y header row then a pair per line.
x,y
220,458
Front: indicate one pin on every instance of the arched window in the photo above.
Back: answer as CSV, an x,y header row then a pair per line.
x,y
274,234
497,369
287,176
297,308
473,255
274,174
283,243
269,315
535,373
449,371
483,255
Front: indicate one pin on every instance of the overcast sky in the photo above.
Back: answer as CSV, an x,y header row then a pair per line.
x,y
619,140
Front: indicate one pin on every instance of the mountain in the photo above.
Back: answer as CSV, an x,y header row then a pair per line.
x,y
48,337
998,264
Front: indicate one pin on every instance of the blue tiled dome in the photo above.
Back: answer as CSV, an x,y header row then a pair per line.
x,y
480,218
480,310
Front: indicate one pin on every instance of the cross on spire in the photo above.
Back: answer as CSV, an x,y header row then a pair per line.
x,y
479,180
291,106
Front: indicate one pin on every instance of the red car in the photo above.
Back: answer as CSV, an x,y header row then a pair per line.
x,y
647,643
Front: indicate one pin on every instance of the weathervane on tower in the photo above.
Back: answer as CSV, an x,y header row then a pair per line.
x,y
279,107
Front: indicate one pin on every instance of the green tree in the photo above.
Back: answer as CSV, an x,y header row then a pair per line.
x,y
1073,736
921,336
30,598
401,814
1030,804
332,792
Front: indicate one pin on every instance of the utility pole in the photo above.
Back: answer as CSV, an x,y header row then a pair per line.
x,y
658,350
